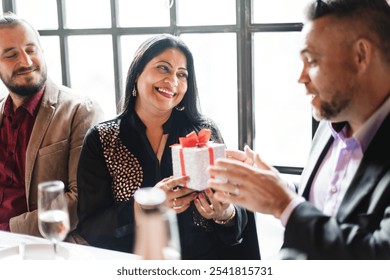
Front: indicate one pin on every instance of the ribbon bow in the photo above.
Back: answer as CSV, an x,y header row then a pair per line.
x,y
193,140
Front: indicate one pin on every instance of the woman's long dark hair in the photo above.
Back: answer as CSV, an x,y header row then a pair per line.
x,y
145,53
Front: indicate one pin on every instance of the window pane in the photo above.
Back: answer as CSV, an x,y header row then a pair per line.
x,y
88,13
3,90
42,14
92,71
278,11
51,51
204,12
283,113
145,13
215,61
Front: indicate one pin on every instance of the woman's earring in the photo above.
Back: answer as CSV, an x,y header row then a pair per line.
x,y
134,92
180,109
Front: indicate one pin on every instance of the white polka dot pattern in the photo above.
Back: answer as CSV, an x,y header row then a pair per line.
x,y
124,168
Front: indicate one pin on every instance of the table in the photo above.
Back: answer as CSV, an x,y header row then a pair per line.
x,y
41,248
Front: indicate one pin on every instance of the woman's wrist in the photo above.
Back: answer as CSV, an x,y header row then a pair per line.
x,y
227,221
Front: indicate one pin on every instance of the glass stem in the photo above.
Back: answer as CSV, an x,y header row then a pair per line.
x,y
55,248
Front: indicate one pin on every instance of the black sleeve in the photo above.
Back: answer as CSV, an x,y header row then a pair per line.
x,y
244,231
232,234
325,237
103,222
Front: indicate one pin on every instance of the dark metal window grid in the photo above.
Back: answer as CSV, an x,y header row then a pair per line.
x,y
244,29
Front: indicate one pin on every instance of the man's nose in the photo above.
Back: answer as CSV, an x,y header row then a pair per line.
x,y
25,59
304,77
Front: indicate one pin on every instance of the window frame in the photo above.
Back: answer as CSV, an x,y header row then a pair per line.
x,y
244,30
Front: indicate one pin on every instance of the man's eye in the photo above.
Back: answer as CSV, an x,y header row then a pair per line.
x,y
10,55
310,60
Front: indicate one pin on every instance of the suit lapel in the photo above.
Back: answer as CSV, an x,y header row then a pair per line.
x,y
41,125
321,143
374,164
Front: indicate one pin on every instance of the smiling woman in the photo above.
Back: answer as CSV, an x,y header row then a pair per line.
x,y
162,84
133,151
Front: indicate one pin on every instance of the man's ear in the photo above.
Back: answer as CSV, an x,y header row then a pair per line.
x,y
363,50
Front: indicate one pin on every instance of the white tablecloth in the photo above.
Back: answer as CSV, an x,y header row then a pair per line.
x,y
36,247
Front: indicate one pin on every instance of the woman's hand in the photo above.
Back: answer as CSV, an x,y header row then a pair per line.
x,y
178,198
210,208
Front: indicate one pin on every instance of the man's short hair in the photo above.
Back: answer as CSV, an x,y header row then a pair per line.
x,y
372,17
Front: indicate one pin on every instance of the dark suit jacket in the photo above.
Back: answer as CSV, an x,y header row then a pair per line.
x,y
361,228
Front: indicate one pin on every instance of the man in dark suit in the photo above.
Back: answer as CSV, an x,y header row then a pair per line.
x,y
342,209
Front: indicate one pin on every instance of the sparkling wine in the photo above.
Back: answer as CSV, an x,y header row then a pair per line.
x,y
54,224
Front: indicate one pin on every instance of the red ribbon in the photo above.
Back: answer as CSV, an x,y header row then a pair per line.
x,y
182,166
193,140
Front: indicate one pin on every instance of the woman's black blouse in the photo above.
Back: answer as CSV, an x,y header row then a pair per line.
x,y
106,208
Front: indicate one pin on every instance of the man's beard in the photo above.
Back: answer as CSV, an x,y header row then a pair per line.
x,y
26,89
329,111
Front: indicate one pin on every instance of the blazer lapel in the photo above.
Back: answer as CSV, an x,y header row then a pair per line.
x,y
321,143
41,124
374,164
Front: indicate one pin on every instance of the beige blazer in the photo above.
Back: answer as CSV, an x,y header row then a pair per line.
x,y
54,149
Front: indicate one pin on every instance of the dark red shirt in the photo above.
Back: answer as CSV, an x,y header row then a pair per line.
x,y
15,131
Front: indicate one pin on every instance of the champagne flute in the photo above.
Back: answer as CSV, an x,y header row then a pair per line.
x,y
53,217
157,232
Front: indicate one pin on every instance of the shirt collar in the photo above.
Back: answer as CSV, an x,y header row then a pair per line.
x,y
136,121
371,126
31,105
365,133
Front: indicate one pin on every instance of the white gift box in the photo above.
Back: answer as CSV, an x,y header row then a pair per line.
x,y
194,161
